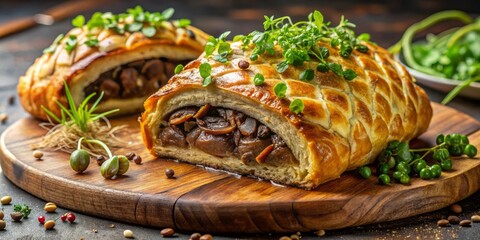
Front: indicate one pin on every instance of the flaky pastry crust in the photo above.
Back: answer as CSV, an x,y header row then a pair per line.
x,y
344,125
43,83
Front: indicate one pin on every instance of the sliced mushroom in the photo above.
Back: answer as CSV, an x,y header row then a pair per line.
x,y
215,125
172,135
182,115
248,127
202,111
217,145
109,88
263,132
264,154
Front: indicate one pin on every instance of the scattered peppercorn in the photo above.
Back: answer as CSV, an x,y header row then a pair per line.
x,y
320,233
443,223
453,219
475,218
130,155
3,224
3,118
128,233
50,207
5,200
37,154
195,236
11,100
167,232
41,219
169,173
455,208
206,237
71,217
137,159
243,64
466,223
100,160
16,216
49,225
2,215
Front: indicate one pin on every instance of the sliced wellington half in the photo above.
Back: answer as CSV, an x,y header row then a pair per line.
x,y
322,126
125,58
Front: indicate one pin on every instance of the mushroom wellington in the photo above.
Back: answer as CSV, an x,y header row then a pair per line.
x,y
298,103
126,56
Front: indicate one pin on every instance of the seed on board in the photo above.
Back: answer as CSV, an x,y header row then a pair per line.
x,y
94,230
100,160
167,232
49,225
285,238
169,173
195,236
130,155
137,159
295,237
50,207
6,200
2,215
11,100
455,208
442,223
112,225
466,223
475,218
453,219
206,237
3,118
37,154
16,216
320,233
128,233
3,224
243,64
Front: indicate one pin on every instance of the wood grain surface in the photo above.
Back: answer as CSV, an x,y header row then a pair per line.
x,y
205,200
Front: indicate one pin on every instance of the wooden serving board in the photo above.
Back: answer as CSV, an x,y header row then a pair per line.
x,y
204,200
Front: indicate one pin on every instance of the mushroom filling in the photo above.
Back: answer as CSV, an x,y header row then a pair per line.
x,y
134,79
224,132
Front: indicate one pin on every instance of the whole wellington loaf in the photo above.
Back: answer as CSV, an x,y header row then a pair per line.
x,y
236,125
124,63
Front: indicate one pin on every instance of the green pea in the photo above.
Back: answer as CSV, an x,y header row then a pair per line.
x,y
456,138
393,144
455,150
385,155
405,179
365,172
397,175
391,162
79,160
110,167
446,164
384,179
421,164
440,139
403,152
470,150
425,174
464,139
403,167
440,154
436,170
383,168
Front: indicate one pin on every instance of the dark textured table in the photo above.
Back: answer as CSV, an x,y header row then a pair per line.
x,y
385,20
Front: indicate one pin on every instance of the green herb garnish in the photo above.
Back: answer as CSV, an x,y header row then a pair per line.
x,y
258,79
80,116
24,209
78,21
205,71
178,68
280,89
54,45
71,43
307,75
297,106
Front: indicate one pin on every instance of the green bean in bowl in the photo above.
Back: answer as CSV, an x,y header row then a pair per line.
x,y
446,61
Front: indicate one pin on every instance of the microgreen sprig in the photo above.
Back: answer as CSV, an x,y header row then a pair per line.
x,y
80,116
24,209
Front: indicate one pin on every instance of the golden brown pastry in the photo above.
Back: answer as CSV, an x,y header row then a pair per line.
x,y
324,125
127,56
